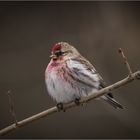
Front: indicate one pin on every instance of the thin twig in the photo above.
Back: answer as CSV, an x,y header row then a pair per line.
x,y
126,62
12,108
53,110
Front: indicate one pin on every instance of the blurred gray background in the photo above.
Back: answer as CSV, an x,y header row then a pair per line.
x,y
28,30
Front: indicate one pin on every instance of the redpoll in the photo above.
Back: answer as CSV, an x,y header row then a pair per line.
x,y
69,76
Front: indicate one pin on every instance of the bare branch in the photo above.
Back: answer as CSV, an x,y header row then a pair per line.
x,y
12,108
53,110
126,61
131,77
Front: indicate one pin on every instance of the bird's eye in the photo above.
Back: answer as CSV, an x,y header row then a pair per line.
x,y
59,53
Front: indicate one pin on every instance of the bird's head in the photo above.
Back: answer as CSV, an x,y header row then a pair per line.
x,y
63,50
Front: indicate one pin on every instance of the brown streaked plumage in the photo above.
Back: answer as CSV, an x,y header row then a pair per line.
x,y
71,76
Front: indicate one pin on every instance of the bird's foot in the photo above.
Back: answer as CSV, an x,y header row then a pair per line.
x,y
60,107
77,101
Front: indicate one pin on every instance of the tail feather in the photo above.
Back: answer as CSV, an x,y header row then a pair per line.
x,y
113,102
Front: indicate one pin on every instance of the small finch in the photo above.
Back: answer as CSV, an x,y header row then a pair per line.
x,y
69,77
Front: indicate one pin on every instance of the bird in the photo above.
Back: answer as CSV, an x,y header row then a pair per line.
x,y
69,76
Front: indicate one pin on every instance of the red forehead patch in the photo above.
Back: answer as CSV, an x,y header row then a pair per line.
x,y
56,47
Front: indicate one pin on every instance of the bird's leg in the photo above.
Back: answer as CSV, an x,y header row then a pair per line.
x,y
60,107
77,101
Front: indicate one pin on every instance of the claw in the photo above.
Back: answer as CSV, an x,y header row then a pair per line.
x,y
77,101
60,107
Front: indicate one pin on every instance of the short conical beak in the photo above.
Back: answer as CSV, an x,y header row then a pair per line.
x,y
53,56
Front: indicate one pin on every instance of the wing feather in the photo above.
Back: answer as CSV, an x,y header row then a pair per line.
x,y
84,72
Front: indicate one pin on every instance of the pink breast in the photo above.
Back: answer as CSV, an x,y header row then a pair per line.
x,y
53,66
